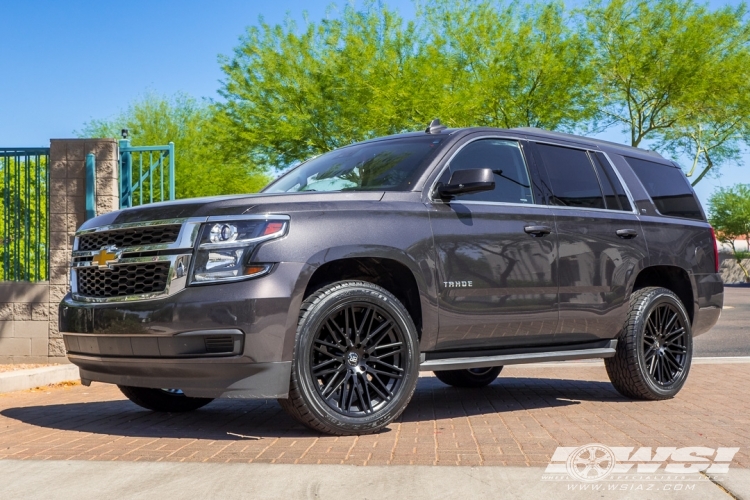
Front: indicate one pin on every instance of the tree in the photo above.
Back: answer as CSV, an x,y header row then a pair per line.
x,y
289,95
729,214
674,73
508,66
199,170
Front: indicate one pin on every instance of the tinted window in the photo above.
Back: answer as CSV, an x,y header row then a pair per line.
x,y
505,159
614,193
668,187
572,177
382,165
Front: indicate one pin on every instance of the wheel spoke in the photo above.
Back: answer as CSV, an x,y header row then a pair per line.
x,y
384,326
336,332
330,383
358,331
652,366
671,363
382,385
326,353
387,374
324,363
392,367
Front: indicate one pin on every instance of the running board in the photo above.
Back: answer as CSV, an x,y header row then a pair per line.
x,y
517,359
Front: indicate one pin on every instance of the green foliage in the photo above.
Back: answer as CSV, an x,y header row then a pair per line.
x,y
157,120
729,214
674,73
24,218
289,94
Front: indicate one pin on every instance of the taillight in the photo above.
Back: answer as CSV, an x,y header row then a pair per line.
x,y
716,250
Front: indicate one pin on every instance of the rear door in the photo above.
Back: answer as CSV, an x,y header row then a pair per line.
x,y
600,242
496,253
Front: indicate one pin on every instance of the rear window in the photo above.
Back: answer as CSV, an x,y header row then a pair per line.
x,y
668,187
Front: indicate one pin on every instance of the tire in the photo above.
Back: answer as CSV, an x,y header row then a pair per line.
x,y
475,377
655,347
167,400
338,384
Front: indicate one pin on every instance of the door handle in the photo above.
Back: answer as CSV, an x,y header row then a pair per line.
x,y
537,231
627,234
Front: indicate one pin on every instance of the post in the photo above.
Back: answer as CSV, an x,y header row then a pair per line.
x,y
171,170
90,186
126,174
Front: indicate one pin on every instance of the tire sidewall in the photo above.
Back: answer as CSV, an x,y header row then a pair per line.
x,y
309,327
657,298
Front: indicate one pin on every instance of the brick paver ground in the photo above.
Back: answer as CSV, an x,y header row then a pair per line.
x,y
518,420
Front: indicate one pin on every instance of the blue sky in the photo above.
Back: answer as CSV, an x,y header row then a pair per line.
x,y
64,63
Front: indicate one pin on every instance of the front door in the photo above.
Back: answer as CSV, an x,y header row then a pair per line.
x,y
496,254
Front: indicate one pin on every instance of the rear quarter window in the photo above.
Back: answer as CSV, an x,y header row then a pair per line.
x,y
668,187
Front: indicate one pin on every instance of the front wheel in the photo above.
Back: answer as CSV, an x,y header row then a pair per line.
x,y
472,377
356,360
167,400
655,347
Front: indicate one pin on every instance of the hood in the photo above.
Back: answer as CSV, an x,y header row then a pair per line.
x,y
228,205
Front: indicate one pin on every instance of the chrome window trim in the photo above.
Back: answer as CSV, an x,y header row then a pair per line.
x,y
431,191
175,283
617,173
502,203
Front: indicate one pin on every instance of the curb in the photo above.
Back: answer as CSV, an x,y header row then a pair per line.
x,y
22,380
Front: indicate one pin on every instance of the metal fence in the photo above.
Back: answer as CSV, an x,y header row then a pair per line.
x,y
24,214
150,183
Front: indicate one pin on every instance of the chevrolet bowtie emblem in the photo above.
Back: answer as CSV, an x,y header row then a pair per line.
x,y
106,256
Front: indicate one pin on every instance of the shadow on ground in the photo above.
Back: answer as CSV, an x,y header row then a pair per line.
x,y
231,419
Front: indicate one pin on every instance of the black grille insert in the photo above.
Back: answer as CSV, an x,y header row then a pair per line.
x,y
130,237
126,279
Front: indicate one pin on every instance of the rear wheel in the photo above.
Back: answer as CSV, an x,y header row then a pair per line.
x,y
356,360
168,400
655,347
473,377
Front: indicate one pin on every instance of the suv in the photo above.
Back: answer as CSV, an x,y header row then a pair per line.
x,y
457,251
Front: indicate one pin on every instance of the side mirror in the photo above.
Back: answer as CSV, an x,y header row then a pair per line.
x,y
467,181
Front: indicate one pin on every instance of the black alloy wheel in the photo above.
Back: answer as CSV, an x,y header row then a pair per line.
x,y
664,344
654,348
356,360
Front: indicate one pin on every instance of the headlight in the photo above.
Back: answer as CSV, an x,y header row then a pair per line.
x,y
226,246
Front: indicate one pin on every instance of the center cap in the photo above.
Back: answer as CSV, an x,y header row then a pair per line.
x,y
352,358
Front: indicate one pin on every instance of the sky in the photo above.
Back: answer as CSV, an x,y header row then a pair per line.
x,y
63,63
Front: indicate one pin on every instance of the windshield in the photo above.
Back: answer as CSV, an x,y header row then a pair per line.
x,y
388,165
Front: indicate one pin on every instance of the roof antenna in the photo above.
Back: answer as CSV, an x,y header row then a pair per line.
x,y
435,126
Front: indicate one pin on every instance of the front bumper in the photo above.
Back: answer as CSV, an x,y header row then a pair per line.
x,y
171,342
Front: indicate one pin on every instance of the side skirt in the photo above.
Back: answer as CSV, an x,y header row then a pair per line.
x,y
516,359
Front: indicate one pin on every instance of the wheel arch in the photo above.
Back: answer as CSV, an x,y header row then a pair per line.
x,y
673,278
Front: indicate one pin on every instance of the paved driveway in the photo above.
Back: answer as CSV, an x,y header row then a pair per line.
x,y
518,420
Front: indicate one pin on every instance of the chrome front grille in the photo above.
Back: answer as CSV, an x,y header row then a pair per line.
x,y
129,237
123,280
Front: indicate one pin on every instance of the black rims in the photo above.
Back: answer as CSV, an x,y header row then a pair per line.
x,y
654,348
664,344
357,359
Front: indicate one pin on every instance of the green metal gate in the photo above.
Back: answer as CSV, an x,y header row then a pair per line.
x,y
24,214
151,183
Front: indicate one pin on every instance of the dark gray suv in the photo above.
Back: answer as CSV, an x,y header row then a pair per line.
x,y
457,251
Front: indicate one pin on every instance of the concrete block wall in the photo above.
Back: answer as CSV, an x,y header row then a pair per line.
x,y
29,327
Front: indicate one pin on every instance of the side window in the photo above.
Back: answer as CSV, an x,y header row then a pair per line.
x,y
668,187
572,177
614,193
505,159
